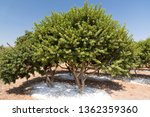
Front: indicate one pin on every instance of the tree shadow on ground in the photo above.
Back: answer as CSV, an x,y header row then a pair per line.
x,y
140,76
26,87
106,85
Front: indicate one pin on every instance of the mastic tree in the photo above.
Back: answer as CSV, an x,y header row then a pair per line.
x,y
16,62
94,39
46,47
82,38
144,53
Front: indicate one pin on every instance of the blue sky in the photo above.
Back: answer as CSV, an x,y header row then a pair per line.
x,y
16,16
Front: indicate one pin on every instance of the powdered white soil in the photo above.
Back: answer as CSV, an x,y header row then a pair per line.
x,y
116,89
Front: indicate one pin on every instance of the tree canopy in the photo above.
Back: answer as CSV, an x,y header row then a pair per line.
x,y
144,52
82,38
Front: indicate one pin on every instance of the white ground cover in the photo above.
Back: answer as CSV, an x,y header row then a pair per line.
x,y
138,80
66,91
63,91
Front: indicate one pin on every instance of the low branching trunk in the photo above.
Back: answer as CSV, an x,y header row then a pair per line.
x,y
80,81
135,71
79,76
49,80
50,76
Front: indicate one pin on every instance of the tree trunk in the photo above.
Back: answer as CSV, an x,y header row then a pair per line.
x,y
79,75
77,80
49,80
80,81
135,72
82,85
50,76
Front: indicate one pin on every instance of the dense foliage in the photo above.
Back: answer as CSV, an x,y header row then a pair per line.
x,y
1,50
17,62
144,53
82,38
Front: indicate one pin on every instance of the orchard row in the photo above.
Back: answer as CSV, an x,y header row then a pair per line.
x,y
82,39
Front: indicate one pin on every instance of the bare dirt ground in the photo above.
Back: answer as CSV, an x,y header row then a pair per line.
x,y
131,91
119,90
